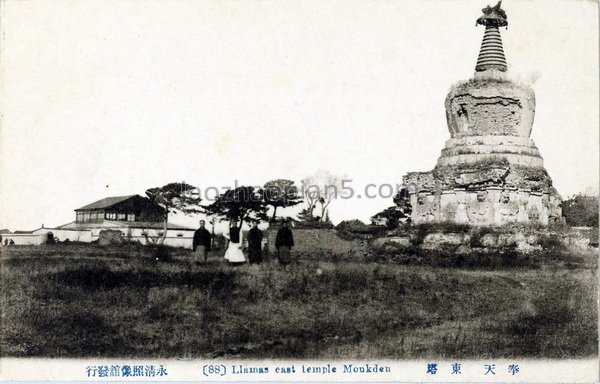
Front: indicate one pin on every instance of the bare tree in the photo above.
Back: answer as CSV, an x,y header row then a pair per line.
x,y
321,188
310,194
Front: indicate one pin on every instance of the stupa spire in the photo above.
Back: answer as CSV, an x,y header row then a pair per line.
x,y
491,54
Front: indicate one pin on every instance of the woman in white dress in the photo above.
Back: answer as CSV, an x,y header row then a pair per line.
x,y
234,254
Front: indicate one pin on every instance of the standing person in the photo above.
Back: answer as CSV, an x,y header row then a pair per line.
x,y
284,243
201,243
234,254
255,236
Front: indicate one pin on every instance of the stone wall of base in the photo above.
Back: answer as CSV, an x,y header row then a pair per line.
x,y
522,239
486,206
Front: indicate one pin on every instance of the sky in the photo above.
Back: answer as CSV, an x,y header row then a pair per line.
x,y
109,98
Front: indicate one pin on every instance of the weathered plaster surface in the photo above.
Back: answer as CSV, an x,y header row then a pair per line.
x,y
490,171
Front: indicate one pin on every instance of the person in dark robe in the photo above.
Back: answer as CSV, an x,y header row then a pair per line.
x,y
202,243
284,243
255,236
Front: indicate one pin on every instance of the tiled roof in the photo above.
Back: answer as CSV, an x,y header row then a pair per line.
x,y
121,224
106,202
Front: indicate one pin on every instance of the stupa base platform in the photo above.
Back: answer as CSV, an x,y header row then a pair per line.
x,y
491,192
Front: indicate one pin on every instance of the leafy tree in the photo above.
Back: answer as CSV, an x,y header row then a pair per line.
x,y
173,198
581,211
354,225
240,204
281,193
391,215
402,201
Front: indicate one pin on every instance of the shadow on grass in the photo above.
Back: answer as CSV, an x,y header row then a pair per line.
x,y
559,323
104,278
76,333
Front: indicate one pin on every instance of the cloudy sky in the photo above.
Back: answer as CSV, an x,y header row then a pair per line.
x,y
105,98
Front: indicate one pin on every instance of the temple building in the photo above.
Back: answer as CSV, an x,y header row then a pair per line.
x,y
490,171
134,218
120,208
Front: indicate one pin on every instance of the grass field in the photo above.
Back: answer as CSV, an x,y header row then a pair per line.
x,y
83,300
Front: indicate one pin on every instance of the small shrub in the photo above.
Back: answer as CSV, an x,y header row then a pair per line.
x,y
356,229
162,253
312,224
551,242
352,226
477,236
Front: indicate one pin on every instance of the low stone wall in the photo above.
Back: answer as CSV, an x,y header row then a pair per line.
x,y
317,241
485,239
23,238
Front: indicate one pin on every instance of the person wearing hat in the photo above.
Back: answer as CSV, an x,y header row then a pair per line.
x,y
284,243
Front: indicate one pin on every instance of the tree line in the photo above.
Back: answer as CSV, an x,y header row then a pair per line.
x,y
247,203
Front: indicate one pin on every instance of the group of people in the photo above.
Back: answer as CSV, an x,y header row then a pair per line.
x,y
234,254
